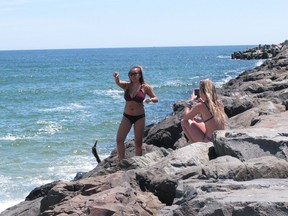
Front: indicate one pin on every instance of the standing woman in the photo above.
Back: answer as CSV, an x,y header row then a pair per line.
x,y
134,112
211,111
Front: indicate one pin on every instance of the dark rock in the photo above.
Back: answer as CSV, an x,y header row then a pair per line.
x,y
260,52
242,172
166,133
79,175
41,191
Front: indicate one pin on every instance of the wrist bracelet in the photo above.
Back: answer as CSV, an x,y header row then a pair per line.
x,y
190,103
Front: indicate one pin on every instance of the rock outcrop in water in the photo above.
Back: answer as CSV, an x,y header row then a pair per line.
x,y
244,171
260,52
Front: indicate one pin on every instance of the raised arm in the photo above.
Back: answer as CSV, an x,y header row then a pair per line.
x,y
193,107
119,82
191,111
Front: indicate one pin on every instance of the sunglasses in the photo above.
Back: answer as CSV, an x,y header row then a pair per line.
x,y
132,74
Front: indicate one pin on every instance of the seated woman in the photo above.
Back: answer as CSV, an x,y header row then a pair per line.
x,y
209,109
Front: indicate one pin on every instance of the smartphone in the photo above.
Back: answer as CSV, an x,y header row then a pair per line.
x,y
197,93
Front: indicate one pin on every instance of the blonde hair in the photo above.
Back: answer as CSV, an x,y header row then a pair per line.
x,y
216,107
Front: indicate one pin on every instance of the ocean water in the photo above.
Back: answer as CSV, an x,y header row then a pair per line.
x,y
56,103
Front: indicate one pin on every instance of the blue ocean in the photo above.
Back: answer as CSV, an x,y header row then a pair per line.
x,y
56,103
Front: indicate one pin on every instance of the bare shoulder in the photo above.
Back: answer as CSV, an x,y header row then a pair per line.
x,y
146,87
199,105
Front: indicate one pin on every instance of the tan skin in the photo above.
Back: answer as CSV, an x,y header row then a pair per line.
x,y
195,128
134,109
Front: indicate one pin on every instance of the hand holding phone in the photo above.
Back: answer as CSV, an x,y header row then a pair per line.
x,y
197,93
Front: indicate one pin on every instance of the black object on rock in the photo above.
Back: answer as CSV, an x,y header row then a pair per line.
x,y
94,152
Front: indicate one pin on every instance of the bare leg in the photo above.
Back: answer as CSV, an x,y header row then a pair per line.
x,y
123,130
194,130
138,135
185,128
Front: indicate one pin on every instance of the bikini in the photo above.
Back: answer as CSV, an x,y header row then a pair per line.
x,y
210,113
139,98
205,135
133,119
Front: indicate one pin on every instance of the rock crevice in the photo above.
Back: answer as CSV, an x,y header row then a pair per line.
x,y
243,171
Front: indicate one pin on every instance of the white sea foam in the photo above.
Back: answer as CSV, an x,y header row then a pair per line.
x,y
17,194
10,137
223,57
171,83
258,63
68,108
113,93
49,127
4,204
37,181
8,201
70,166
58,169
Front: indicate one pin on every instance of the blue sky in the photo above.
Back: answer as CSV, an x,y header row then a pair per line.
x,y
61,24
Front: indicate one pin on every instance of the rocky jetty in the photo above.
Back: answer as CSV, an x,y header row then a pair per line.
x,y
259,52
243,171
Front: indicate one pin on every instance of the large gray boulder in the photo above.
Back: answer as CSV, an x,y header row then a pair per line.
x,y
243,171
228,197
269,137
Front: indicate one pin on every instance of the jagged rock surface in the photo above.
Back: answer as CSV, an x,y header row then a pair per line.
x,y
242,172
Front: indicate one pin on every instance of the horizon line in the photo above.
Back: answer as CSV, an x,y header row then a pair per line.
x,y
136,47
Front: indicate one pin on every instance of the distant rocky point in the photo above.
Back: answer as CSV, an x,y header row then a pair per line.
x,y
259,52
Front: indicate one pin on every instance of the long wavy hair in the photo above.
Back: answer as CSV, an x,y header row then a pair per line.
x,y
216,107
140,71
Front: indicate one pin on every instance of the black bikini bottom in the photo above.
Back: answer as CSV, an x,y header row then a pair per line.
x,y
133,119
